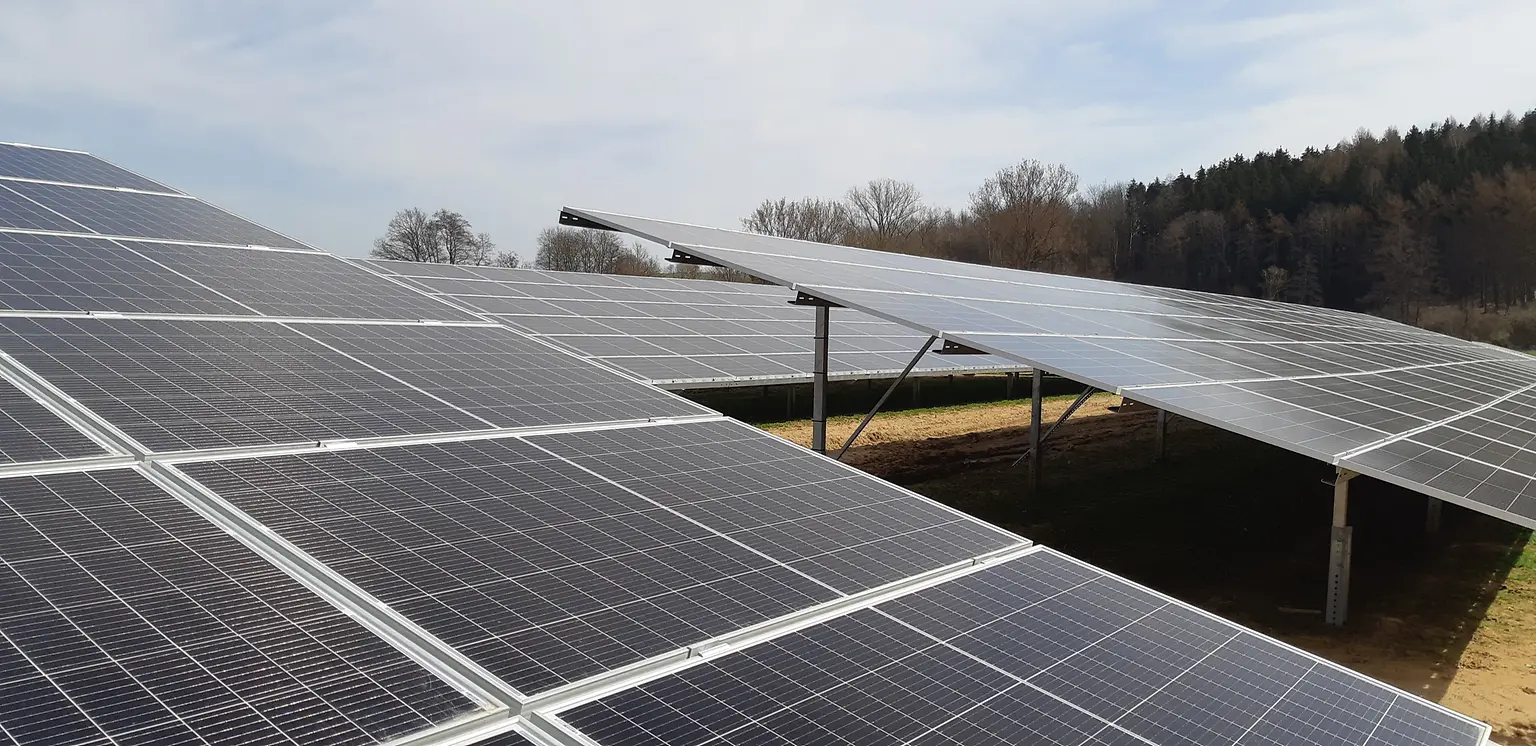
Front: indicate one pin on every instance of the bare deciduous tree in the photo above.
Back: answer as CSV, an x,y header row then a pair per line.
x,y
885,212
1273,281
809,219
1026,215
565,249
444,237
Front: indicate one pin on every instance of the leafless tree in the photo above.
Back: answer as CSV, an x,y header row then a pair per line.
x,y
1273,281
444,237
1026,215
885,212
566,249
809,219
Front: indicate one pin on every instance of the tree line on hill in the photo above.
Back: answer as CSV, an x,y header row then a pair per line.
x,y
1404,224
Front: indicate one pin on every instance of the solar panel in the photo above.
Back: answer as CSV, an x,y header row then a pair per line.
x,y
16,211
1041,649
128,617
1347,388
682,333
541,561
140,215
298,284
504,378
29,432
69,167
174,385
831,522
540,571
68,273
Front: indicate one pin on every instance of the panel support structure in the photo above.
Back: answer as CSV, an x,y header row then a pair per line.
x,y
1337,607
1037,381
819,382
1162,435
887,395
1432,516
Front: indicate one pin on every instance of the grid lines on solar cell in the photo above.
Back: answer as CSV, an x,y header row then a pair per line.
x,y
67,273
29,432
129,617
174,385
293,284
505,378
835,524
539,571
149,216
1040,649
69,167
16,211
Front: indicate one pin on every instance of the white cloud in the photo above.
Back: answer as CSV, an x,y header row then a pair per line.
x,y
699,109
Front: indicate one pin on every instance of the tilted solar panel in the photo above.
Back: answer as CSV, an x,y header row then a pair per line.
x,y
70,167
554,558
682,333
43,272
141,215
1361,392
128,618
29,432
1041,650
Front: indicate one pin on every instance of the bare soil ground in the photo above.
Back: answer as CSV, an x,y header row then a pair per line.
x,y
1241,529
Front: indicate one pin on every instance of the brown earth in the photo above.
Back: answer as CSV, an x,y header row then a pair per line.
x,y
1451,618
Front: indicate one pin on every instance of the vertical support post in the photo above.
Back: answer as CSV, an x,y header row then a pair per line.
x,y
1432,516
819,383
917,393
789,402
1162,433
1037,381
1011,376
1339,545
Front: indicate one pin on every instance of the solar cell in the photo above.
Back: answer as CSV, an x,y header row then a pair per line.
x,y
831,522
1330,384
128,617
174,385
678,333
29,432
540,571
1039,649
140,215
16,211
507,738
298,284
504,378
67,273
69,167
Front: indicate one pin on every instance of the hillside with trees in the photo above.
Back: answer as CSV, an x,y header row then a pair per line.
x,y
1434,226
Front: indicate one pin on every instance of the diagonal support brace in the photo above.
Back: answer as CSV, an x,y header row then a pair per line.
x,y
1078,402
887,395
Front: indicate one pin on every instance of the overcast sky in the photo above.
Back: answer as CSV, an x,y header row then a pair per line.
x,y
321,119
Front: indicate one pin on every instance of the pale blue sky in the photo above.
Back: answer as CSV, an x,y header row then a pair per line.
x,y
321,120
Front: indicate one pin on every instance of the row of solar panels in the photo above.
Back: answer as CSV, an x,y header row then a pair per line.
x,y
683,334
253,500
1443,416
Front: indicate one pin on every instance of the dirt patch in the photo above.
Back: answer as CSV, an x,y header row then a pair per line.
x,y
1241,529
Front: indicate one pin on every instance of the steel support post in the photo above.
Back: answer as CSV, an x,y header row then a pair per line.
x,y
1011,376
1162,434
1432,516
883,397
917,393
1337,607
1037,381
819,383
789,402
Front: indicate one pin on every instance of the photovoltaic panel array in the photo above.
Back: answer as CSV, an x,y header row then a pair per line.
x,y
1039,650
552,558
129,619
261,496
682,334
1443,416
